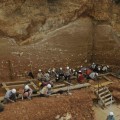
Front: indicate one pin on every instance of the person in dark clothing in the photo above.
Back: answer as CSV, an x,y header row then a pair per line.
x,y
30,74
10,96
110,116
61,73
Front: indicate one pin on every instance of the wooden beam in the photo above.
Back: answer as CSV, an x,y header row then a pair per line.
x,y
60,85
103,74
102,84
4,86
105,77
78,86
17,82
67,83
115,75
18,85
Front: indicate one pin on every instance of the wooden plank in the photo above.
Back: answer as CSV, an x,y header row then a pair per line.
x,y
105,77
101,89
106,96
107,99
57,86
109,103
104,74
73,87
102,84
4,86
18,85
20,82
68,83
105,92
115,75
16,82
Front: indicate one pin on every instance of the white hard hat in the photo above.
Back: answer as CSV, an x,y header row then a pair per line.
x,y
49,86
111,113
60,68
67,67
107,66
96,74
73,70
39,70
27,87
14,91
79,71
93,63
48,71
85,68
81,66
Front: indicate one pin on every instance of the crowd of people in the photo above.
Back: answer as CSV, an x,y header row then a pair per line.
x,y
47,79
80,73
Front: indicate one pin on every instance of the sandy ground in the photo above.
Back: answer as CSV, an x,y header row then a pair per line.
x,y
101,114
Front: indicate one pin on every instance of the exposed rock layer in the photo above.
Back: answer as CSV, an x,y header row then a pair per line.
x,y
54,33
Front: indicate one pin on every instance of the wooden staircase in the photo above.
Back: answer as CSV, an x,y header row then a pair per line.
x,y
105,96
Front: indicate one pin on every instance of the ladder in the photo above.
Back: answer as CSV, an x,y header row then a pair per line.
x,y
105,96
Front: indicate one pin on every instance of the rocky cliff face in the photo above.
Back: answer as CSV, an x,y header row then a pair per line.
x,y
23,19
52,33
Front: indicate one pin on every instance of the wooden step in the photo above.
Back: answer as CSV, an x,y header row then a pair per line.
x,y
108,99
110,102
105,92
101,89
106,96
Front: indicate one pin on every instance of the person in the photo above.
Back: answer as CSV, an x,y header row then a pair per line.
x,y
30,74
10,96
61,73
110,116
45,91
67,74
47,76
93,75
105,68
1,107
40,75
53,74
87,73
27,92
80,77
93,66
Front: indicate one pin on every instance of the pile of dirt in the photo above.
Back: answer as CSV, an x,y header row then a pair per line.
x,y
78,105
